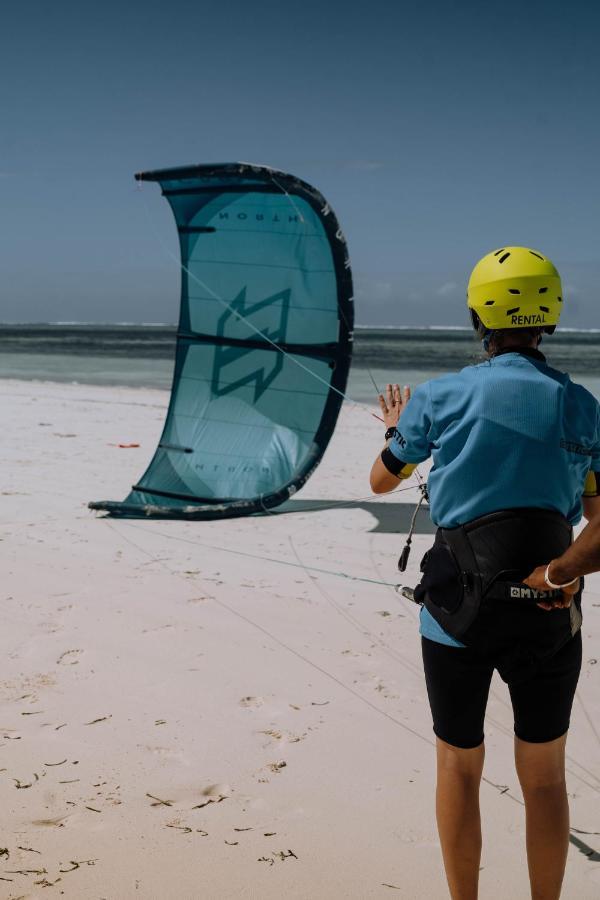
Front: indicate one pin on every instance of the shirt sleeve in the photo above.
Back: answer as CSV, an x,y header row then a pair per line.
x,y
413,439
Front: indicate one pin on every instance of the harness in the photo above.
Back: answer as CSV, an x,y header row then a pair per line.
x,y
473,587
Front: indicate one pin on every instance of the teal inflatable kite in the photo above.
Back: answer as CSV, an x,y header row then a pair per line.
x,y
263,345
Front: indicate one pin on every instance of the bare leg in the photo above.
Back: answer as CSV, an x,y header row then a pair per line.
x,y
459,823
541,771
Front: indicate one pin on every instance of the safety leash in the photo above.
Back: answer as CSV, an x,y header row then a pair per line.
x,y
403,560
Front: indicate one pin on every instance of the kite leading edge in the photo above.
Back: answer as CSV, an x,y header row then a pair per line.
x,y
263,345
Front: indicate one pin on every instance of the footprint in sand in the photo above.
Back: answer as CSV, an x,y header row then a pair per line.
x,y
282,736
166,753
49,627
69,658
251,702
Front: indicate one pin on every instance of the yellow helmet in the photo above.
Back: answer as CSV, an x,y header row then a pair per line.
x,y
515,287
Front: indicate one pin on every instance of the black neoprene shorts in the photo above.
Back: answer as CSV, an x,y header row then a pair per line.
x,y
458,682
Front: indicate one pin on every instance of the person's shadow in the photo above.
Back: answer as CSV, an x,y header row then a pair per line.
x,y
390,518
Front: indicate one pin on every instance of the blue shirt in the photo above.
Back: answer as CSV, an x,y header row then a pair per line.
x,y
509,432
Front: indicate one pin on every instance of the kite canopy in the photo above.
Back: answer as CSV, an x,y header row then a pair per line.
x,y
263,345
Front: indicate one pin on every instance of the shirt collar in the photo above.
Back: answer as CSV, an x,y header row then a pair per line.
x,y
524,351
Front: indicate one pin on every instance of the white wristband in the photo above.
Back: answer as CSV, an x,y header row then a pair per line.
x,y
556,586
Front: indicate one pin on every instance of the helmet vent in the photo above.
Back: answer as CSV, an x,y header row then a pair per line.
x,y
489,302
542,290
544,309
513,291
498,252
536,254
502,258
515,309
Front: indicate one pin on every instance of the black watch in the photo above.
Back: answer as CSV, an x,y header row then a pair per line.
x,y
391,432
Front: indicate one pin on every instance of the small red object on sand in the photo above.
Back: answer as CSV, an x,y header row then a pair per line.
x,y
128,445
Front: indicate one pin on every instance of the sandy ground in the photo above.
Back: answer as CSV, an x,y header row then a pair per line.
x,y
215,709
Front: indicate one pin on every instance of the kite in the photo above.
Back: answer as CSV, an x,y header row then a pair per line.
x,y
264,344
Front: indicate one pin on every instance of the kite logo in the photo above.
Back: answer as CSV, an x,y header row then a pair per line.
x,y
241,331
242,216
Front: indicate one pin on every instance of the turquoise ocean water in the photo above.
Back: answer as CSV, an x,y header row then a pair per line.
x,y
142,355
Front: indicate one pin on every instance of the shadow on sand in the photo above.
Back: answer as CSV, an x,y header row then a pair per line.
x,y
390,518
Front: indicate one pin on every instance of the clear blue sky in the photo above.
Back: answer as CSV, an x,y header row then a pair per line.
x,y
437,131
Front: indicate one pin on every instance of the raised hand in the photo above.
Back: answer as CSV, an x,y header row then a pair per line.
x,y
394,403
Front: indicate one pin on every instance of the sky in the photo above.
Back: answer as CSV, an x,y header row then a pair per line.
x,y
437,132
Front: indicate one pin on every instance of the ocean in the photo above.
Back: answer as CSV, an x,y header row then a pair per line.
x,y
142,355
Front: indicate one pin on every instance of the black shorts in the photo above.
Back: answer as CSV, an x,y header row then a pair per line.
x,y
458,682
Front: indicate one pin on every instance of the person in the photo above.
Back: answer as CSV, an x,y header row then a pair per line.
x,y
515,447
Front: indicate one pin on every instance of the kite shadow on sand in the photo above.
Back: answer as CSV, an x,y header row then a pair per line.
x,y
391,518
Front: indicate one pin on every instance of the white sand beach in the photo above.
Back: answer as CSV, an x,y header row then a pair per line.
x,y
230,709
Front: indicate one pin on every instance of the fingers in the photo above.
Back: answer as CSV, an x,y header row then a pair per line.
x,y
536,579
556,604
394,400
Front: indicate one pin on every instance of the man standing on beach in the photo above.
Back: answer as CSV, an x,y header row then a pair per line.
x,y
516,456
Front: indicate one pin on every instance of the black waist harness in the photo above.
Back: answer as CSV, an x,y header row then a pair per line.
x,y
472,580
